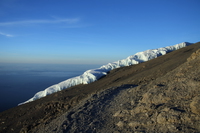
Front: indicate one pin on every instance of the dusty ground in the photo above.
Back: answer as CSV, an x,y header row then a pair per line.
x,y
161,95
168,104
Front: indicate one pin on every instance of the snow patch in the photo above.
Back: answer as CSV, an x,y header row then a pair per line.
x,y
94,74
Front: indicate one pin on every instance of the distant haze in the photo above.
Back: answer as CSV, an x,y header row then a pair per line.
x,y
19,82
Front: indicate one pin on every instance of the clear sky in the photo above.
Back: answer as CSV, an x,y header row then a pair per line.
x,y
92,31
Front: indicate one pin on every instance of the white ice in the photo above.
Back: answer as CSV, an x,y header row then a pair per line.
x,y
94,74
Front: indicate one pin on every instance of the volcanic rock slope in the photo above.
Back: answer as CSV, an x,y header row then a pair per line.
x,y
160,95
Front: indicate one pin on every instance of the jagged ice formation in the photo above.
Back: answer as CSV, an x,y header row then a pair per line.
x,y
94,74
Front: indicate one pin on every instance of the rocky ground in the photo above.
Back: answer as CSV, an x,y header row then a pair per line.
x,y
168,104
161,95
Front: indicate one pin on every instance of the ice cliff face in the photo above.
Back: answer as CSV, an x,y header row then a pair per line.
x,y
94,74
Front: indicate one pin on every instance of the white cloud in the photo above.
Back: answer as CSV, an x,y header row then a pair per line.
x,y
5,34
40,21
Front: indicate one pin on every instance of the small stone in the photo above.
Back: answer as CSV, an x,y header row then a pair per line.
x,y
161,118
171,127
120,124
195,105
133,124
117,113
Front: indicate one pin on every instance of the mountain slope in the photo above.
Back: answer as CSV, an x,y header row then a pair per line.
x,y
170,103
37,114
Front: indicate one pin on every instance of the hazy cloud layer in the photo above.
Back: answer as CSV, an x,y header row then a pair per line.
x,y
5,34
40,21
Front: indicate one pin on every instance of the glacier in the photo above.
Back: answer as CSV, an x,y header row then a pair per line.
x,y
94,74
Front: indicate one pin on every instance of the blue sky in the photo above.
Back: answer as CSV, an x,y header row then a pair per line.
x,y
92,31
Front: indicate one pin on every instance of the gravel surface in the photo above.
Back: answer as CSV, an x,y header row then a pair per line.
x,y
167,104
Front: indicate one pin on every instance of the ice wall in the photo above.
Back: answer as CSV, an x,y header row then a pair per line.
x,y
94,74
